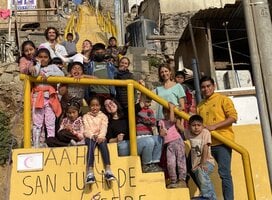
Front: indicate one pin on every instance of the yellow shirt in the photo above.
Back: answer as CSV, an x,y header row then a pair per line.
x,y
215,109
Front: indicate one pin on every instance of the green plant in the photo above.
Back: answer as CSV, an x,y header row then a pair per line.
x,y
154,61
7,140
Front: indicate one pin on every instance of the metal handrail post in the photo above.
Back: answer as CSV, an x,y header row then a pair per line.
x,y
132,120
27,113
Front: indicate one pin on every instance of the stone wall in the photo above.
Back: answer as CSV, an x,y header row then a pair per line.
x,y
172,25
11,97
150,9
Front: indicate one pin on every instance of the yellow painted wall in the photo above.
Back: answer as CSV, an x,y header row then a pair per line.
x,y
250,137
63,178
64,170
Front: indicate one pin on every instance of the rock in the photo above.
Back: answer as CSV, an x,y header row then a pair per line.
x,y
2,70
17,80
12,68
6,78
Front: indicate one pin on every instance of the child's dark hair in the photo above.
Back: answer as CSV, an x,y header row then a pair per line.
x,y
73,103
94,98
43,50
182,73
194,118
99,46
57,61
69,34
25,43
70,66
145,98
112,38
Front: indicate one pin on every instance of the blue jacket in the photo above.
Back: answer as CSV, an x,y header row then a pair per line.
x,y
111,69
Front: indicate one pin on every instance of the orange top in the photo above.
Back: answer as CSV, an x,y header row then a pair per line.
x,y
53,98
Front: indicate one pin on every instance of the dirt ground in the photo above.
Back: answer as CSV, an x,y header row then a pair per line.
x,y
4,182
15,112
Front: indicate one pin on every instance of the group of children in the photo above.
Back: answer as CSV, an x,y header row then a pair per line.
x,y
57,108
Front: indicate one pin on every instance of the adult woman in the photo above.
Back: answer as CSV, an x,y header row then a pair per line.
x,y
148,147
87,47
118,131
169,90
123,73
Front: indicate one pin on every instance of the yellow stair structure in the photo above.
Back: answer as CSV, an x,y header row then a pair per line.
x,y
60,174
90,24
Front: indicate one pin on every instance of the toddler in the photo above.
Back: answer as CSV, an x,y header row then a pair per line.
x,y
175,148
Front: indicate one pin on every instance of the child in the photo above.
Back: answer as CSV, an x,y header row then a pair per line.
x,y
175,148
149,145
58,61
100,69
27,61
115,51
95,129
190,103
45,103
70,44
74,90
71,128
201,158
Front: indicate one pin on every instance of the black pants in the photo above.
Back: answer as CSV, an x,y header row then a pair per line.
x,y
62,139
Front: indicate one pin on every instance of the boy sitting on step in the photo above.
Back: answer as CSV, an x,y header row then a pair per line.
x,y
149,145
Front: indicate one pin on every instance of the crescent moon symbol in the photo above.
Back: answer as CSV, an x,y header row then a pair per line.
x,y
28,162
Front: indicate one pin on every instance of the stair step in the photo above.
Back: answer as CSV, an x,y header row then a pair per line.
x,y
59,173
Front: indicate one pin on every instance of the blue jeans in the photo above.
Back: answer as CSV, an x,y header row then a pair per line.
x,y
222,155
157,150
123,148
103,147
204,181
149,148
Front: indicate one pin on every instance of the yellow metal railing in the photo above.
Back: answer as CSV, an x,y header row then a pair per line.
x,y
131,85
105,23
70,26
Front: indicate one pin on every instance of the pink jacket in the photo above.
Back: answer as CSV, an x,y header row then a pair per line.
x,y
95,125
24,65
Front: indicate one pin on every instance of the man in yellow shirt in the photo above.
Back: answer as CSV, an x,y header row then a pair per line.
x,y
219,114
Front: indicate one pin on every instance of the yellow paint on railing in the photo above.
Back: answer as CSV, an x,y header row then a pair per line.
x,y
131,85
27,112
132,120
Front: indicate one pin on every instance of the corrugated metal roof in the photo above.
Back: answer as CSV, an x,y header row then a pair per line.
x,y
231,13
216,16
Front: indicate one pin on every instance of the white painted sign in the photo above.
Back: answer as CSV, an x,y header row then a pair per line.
x,y
23,4
30,162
